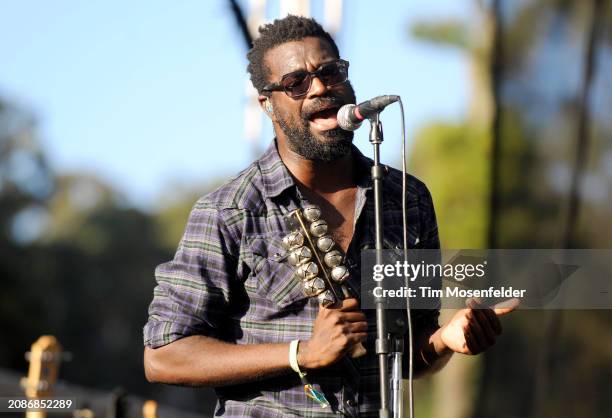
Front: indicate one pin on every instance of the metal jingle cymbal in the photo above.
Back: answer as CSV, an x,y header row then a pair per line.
x,y
293,240
325,243
299,256
340,274
307,271
318,228
312,213
314,287
333,258
326,298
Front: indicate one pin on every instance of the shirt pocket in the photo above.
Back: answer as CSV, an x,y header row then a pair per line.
x,y
275,277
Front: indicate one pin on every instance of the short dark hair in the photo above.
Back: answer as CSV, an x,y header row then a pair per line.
x,y
287,29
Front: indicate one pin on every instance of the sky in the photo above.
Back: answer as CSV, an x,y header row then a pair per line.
x,y
150,95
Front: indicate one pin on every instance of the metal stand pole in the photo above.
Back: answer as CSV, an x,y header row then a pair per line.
x,y
389,337
397,386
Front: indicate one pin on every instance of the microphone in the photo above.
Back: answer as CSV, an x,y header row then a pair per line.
x,y
350,116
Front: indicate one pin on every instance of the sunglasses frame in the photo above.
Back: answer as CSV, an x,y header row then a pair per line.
x,y
277,86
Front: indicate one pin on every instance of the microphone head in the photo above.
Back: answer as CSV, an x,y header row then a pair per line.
x,y
344,118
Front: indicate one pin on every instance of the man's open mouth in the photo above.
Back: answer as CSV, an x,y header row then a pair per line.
x,y
325,119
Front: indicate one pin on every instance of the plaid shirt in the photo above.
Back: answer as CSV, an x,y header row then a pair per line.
x,y
229,280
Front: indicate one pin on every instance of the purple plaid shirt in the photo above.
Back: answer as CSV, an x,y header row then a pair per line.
x,y
229,280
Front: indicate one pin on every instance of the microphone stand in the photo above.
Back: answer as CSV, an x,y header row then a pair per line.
x,y
389,343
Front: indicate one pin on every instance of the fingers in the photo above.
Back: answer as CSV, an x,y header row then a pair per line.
x,y
506,306
475,329
350,304
337,331
356,327
483,327
487,336
354,333
356,338
488,320
351,317
470,343
493,320
347,312
478,341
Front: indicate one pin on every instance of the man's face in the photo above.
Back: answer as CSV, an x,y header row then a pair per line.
x,y
309,123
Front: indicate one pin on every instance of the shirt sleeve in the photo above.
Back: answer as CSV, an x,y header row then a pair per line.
x,y
192,292
429,239
429,225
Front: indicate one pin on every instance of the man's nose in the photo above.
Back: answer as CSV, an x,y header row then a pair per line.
x,y
317,88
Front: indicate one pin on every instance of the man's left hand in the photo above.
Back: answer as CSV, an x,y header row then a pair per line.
x,y
474,329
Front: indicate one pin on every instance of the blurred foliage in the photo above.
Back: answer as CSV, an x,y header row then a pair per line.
x,y
547,364
85,272
461,199
564,367
75,198
450,32
25,180
453,160
171,217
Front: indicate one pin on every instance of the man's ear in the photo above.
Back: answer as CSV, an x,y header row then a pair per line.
x,y
266,104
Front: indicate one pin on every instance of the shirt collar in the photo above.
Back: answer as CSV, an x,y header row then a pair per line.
x,y
276,177
363,169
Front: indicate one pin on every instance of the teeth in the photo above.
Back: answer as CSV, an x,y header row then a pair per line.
x,y
318,113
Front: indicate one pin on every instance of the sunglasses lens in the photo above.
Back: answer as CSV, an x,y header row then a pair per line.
x,y
332,74
297,83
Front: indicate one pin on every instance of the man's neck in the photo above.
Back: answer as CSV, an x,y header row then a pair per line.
x,y
320,177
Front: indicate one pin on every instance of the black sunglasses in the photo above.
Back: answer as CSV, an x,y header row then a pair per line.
x,y
297,84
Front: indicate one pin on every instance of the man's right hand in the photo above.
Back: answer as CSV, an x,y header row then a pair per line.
x,y
335,331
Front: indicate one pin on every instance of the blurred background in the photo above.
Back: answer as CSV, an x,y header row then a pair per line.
x,y
115,116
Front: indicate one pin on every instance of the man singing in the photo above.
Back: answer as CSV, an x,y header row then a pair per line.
x,y
227,307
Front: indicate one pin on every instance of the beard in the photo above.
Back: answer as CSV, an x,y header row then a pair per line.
x,y
327,146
